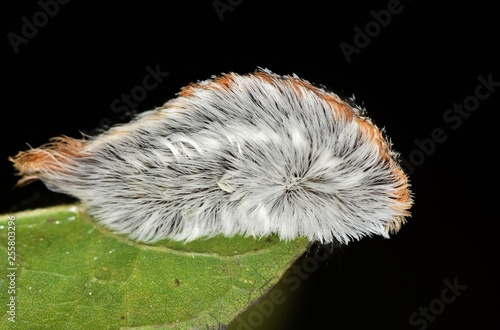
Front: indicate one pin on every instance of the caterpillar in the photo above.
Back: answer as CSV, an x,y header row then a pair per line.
x,y
251,154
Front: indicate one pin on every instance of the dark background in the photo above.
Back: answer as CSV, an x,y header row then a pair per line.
x,y
64,79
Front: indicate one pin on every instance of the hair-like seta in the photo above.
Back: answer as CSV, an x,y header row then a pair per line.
x,y
237,154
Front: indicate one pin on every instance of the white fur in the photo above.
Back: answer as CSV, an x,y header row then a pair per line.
x,y
264,156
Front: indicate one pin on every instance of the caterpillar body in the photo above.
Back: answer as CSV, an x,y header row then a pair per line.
x,y
250,154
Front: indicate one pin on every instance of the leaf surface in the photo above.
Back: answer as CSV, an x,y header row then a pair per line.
x,y
71,273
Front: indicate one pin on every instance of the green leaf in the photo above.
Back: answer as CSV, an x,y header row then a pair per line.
x,y
73,274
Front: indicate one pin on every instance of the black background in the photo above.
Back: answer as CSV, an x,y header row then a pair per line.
x,y
64,79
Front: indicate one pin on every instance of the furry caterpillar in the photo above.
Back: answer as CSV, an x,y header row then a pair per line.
x,y
247,154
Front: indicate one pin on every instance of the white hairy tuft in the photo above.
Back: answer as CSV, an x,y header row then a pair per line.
x,y
238,154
